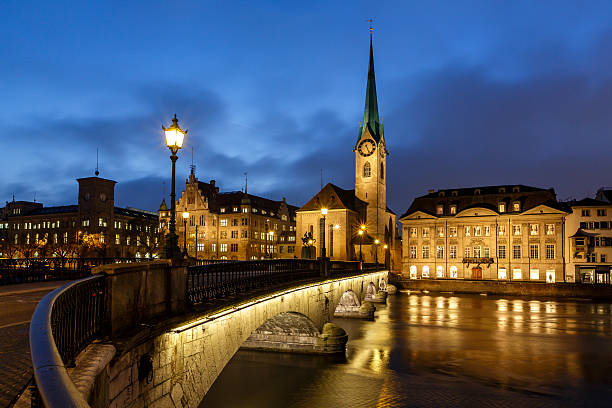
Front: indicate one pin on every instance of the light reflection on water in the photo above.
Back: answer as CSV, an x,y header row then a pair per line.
x,y
456,350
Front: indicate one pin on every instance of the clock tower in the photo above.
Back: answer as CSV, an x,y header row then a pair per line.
x,y
371,160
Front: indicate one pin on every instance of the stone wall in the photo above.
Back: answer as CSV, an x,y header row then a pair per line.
x,y
176,368
576,290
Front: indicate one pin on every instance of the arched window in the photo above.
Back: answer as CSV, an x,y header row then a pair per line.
x,y
367,170
382,171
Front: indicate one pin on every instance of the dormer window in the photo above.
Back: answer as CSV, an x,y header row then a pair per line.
x,y
516,206
453,209
454,193
222,210
440,209
501,207
441,194
502,190
235,209
477,191
516,189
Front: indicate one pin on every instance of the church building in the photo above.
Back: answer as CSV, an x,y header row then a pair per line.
x,y
358,223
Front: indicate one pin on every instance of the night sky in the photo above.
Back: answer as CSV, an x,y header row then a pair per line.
x,y
471,93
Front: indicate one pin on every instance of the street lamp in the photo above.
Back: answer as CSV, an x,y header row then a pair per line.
x,y
324,213
386,248
376,242
185,217
174,140
361,231
269,245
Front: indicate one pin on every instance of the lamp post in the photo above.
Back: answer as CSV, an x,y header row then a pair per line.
x,y
269,246
361,232
174,140
324,213
185,217
376,242
386,248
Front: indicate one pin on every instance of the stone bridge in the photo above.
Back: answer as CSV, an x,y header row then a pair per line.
x,y
172,362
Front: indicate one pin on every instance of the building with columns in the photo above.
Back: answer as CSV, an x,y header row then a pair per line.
x,y
363,208
230,225
513,233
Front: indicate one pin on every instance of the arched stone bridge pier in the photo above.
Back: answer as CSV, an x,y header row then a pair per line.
x,y
186,360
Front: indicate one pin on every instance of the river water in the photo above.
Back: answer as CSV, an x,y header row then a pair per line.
x,y
426,350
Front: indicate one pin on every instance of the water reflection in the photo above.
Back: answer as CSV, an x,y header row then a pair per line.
x,y
471,350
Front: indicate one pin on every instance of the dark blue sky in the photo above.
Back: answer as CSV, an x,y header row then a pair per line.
x,y
471,93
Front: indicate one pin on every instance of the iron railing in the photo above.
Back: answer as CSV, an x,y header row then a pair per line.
x,y
47,269
207,282
64,322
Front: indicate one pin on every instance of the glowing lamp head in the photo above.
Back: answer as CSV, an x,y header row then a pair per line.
x,y
386,246
272,233
174,135
185,215
310,242
376,241
362,227
337,226
324,211
360,232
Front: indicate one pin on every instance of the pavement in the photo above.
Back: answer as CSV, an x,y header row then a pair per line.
x,y
17,303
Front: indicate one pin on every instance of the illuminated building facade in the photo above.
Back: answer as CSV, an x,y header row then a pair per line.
x,y
231,225
513,233
94,227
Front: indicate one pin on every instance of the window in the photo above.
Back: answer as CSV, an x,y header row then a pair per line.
x,y
516,230
65,237
602,257
234,247
516,206
222,210
502,207
413,251
579,241
367,170
425,232
234,234
127,241
477,252
117,239
478,231
501,274
223,234
601,212
517,274
550,251
453,209
487,231
486,252
439,271
501,230
516,251
222,247
85,223
425,273
534,229
223,222
245,209
425,251
467,231
534,274
413,232
452,232
440,251
550,229
501,252
413,272
439,209
453,272
586,213
466,252
382,171
452,252
534,251
200,247
234,222
137,240
440,232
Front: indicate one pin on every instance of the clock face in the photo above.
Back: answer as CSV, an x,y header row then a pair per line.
x,y
366,147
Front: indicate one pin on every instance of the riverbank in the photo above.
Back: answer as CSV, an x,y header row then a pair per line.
x,y
503,288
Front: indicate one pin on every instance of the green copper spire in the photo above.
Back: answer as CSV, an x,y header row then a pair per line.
x,y
370,115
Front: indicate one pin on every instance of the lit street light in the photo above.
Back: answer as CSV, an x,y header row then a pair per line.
x,y
376,242
361,232
185,217
174,140
324,213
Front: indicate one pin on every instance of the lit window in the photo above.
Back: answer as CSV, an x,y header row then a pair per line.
x,y
223,222
117,239
534,274
467,231
517,274
413,251
516,206
425,273
440,251
367,170
440,209
452,252
501,274
477,252
516,230
453,209
425,232
440,232
452,232
466,252
487,231
477,231
413,232
501,230
534,229
502,207
439,271
222,210
550,229
453,272
245,209
413,272
425,251
486,252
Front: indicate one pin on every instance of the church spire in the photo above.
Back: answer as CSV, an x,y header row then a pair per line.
x,y
371,120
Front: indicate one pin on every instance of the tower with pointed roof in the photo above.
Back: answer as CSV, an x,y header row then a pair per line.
x,y
371,159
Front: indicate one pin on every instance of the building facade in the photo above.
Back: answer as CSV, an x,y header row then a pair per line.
x,y
230,225
94,227
588,241
510,233
365,207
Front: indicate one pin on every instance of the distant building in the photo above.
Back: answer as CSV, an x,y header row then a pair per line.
x,y
589,239
94,227
231,225
513,233
365,205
